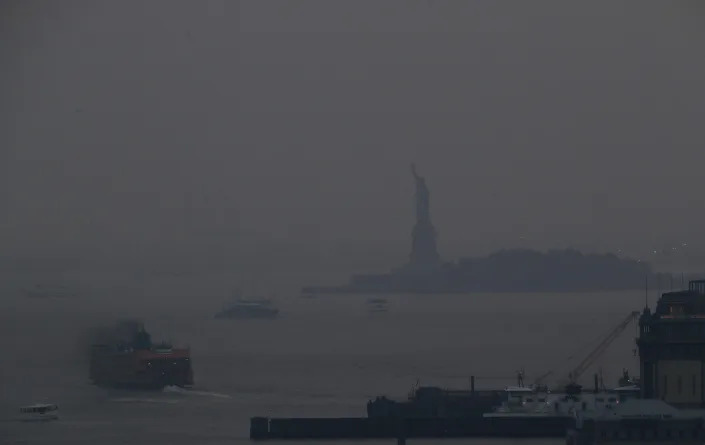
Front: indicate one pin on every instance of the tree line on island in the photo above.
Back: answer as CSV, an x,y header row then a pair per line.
x,y
525,270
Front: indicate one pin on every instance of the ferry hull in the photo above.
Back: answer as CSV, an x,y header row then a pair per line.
x,y
141,370
44,418
125,357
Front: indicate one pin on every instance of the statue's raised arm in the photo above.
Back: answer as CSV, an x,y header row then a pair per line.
x,y
413,171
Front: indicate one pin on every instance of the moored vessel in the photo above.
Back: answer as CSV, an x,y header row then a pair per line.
x,y
523,401
435,402
637,421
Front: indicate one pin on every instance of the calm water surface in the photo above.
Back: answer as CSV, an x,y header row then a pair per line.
x,y
323,357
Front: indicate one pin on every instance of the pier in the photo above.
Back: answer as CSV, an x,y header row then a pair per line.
x,y
265,428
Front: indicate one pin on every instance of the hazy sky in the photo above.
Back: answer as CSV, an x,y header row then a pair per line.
x,y
197,122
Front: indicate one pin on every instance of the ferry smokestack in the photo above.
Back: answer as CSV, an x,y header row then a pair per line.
x,y
597,385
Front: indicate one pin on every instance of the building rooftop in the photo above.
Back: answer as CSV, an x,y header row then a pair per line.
x,y
688,303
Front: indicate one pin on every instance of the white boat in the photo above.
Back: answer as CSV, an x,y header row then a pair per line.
x,y
529,402
39,412
244,308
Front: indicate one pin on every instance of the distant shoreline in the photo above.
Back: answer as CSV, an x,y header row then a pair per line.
x,y
332,291
513,271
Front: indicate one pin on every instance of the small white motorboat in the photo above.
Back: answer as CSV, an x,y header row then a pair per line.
x,y
39,412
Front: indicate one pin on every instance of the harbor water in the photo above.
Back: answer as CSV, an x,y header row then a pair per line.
x,y
324,356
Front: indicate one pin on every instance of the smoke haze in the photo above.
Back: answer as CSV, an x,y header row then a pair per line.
x,y
223,134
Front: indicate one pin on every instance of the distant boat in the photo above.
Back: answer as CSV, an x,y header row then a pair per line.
x,y
39,412
249,308
376,305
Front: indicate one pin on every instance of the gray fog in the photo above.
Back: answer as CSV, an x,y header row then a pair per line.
x,y
277,135
156,155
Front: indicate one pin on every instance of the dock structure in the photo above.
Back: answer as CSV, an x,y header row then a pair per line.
x,y
265,428
671,347
672,362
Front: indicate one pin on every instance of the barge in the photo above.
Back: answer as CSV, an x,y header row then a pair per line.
x,y
432,412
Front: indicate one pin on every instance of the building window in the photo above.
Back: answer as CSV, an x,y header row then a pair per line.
x,y
680,385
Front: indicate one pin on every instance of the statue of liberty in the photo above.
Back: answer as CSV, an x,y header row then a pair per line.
x,y
423,248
